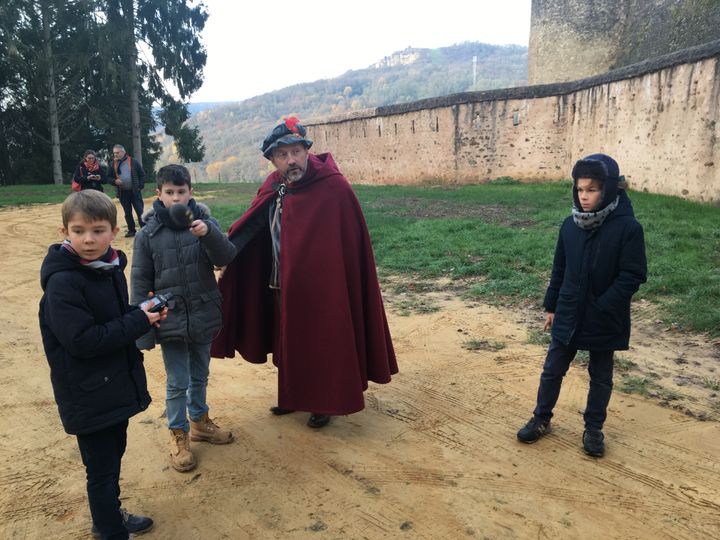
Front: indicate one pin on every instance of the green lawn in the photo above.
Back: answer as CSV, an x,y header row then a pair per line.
x,y
498,238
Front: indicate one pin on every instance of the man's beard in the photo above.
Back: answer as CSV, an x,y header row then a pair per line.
x,y
294,174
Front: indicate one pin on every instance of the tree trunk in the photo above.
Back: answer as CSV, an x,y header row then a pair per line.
x,y
129,8
52,97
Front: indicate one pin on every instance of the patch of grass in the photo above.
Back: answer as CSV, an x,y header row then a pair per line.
x,y
665,395
414,287
634,384
35,194
414,305
504,181
582,358
645,386
620,362
227,201
623,364
683,243
538,337
711,384
483,345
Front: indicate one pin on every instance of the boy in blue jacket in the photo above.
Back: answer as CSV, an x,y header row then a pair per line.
x,y
89,331
599,264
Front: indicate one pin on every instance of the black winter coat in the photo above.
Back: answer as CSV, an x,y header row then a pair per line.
x,y
89,331
594,275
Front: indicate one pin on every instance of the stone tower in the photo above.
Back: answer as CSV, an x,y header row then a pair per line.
x,y
574,39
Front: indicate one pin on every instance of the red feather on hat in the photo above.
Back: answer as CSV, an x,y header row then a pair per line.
x,y
291,123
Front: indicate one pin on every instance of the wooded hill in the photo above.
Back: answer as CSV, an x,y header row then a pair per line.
x,y
233,132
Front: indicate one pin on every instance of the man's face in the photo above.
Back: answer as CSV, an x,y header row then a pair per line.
x,y
89,239
171,194
291,161
118,153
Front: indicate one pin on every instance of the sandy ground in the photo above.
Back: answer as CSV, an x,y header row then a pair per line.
x,y
433,455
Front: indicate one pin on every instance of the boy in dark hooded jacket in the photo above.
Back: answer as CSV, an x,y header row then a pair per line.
x,y
599,264
89,331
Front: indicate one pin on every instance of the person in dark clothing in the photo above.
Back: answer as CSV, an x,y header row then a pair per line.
x,y
89,173
89,331
176,256
599,264
304,285
129,178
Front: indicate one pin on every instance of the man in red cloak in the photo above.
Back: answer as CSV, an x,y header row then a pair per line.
x,y
304,286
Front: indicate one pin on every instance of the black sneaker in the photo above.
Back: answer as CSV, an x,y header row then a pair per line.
x,y
129,234
134,524
594,442
533,430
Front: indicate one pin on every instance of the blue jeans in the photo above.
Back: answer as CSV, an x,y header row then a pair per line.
x,y
130,199
102,452
556,365
187,366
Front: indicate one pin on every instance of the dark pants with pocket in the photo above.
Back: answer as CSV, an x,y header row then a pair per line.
x,y
557,362
130,199
102,452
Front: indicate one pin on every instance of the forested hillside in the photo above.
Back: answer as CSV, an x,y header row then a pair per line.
x,y
233,132
72,78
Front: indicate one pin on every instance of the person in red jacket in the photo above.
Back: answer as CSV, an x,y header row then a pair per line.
x,y
304,285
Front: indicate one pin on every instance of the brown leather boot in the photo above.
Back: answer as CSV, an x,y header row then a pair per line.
x,y
181,457
206,430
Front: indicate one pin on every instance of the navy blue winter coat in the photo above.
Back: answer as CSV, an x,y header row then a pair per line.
x,y
594,275
89,331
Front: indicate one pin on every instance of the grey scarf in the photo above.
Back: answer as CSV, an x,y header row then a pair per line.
x,y
592,220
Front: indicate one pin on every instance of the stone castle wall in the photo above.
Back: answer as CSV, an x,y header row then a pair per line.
x,y
658,118
573,39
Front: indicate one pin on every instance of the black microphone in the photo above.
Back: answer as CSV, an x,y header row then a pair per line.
x,y
181,215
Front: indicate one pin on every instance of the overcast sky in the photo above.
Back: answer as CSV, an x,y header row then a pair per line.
x,y
257,47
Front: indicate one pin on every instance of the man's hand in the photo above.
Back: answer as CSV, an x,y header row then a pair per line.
x,y
198,228
118,182
549,318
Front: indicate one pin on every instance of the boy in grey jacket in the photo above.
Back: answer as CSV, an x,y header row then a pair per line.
x,y
174,256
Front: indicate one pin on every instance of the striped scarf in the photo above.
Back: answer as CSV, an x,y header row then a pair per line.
x,y
107,262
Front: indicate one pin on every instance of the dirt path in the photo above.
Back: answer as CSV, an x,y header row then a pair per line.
x,y
432,456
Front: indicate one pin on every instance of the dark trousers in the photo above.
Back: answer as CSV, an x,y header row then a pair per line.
x,y
556,365
102,452
130,199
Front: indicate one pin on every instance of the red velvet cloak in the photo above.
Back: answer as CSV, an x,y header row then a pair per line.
x,y
331,335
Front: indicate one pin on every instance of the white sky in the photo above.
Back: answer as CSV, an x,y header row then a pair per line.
x,y
260,46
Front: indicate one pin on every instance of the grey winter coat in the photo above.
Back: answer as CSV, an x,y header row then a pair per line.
x,y
167,260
